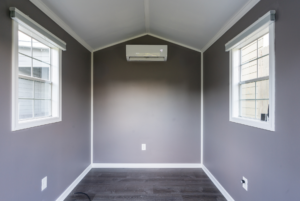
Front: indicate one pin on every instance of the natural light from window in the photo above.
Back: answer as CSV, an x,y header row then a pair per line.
x,y
254,79
34,99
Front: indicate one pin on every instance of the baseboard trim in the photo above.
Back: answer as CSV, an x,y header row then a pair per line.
x,y
217,183
74,184
146,165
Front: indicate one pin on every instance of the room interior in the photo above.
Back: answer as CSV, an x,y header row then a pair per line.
x,y
178,118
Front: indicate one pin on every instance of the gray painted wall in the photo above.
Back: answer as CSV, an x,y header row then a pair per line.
x,y
60,151
270,160
157,103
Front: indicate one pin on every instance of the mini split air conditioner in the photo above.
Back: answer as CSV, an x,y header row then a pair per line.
x,y
146,52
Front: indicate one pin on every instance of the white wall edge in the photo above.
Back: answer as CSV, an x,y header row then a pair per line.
x,y
121,41
217,184
92,107
202,104
177,43
57,20
146,165
246,8
74,184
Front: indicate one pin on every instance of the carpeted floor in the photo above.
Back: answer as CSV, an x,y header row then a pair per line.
x,y
146,185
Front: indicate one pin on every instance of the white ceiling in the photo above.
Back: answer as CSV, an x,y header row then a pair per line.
x,y
99,23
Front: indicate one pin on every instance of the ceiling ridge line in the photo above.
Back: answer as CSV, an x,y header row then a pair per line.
x,y
147,19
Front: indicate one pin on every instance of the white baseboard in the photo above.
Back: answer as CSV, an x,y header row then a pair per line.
x,y
217,183
74,184
146,165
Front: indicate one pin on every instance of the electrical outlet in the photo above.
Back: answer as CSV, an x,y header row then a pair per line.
x,y
245,183
143,147
44,183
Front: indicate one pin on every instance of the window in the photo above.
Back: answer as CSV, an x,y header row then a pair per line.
x,y
36,74
252,75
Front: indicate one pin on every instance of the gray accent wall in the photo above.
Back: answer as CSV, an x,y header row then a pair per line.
x,y
60,151
156,103
269,160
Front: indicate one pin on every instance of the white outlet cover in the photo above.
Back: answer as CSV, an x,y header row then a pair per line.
x,y
44,183
245,185
143,147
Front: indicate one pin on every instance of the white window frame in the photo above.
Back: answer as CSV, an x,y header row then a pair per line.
x,y
56,79
256,30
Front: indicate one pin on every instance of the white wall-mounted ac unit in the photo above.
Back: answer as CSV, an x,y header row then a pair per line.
x,y
146,52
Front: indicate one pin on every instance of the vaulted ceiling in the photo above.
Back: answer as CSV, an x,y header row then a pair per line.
x,y
97,24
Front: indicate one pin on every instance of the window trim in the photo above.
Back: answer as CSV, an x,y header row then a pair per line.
x,y
56,80
234,78
39,31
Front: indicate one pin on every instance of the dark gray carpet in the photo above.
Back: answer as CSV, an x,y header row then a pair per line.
x,y
146,185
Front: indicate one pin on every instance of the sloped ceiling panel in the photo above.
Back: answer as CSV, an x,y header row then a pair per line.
x,y
101,22
191,22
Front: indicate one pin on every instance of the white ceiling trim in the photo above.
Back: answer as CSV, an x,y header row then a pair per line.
x,y
121,41
62,24
145,34
171,41
246,8
147,19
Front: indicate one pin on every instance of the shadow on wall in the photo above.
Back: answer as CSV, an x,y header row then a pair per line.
x,y
157,103
131,104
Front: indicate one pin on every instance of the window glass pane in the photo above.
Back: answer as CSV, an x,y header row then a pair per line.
x,y
24,44
25,88
34,60
41,70
261,108
42,90
249,52
25,109
40,51
249,71
42,108
254,63
248,108
248,91
263,45
262,89
24,65
263,66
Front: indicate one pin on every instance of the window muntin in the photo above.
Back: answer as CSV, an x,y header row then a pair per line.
x,y
254,79
34,78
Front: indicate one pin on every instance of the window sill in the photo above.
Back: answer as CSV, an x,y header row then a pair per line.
x,y
34,123
254,123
